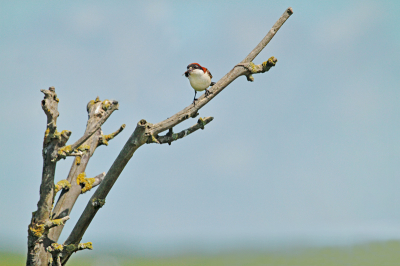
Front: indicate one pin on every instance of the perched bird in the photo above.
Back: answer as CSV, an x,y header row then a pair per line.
x,y
200,78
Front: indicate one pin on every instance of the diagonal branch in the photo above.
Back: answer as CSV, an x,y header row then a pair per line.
x,y
98,111
269,36
191,110
170,136
95,127
144,131
105,138
89,183
137,139
109,107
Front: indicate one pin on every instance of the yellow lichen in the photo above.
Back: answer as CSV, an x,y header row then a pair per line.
x,y
74,247
154,139
272,60
65,150
62,184
87,183
46,133
89,105
269,63
87,245
108,137
37,230
58,222
80,178
83,148
104,140
64,132
78,160
201,122
106,104
55,135
57,247
252,67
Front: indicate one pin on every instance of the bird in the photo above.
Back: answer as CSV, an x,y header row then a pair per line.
x,y
199,78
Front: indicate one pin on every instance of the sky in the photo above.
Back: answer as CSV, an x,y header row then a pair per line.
x,y
306,154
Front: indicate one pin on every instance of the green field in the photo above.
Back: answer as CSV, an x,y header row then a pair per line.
x,y
377,254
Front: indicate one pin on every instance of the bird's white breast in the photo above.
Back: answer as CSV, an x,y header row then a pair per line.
x,y
199,80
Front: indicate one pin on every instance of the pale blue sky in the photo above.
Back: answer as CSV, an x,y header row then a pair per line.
x,y
307,152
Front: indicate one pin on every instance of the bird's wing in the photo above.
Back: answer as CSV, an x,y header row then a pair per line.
x,y
209,73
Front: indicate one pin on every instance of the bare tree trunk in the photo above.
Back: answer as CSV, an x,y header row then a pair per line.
x,y
44,221
47,223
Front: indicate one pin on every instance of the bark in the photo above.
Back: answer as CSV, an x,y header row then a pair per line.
x,y
44,221
97,111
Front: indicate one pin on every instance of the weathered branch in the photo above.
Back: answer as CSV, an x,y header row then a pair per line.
x,y
269,36
43,220
98,111
53,140
62,184
146,132
40,229
255,69
192,110
50,107
137,139
89,183
105,138
58,251
109,107
103,110
57,222
170,136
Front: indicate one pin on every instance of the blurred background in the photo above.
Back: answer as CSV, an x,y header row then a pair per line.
x,y
305,157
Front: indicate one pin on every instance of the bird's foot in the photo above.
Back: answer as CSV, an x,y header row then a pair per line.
x,y
194,101
207,93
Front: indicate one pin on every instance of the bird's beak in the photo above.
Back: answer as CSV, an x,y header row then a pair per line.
x,y
187,73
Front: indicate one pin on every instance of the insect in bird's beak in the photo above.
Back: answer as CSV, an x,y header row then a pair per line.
x,y
187,72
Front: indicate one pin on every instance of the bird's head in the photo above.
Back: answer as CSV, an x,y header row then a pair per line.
x,y
195,68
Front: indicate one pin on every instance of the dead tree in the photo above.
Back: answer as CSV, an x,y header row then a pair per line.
x,y
47,221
